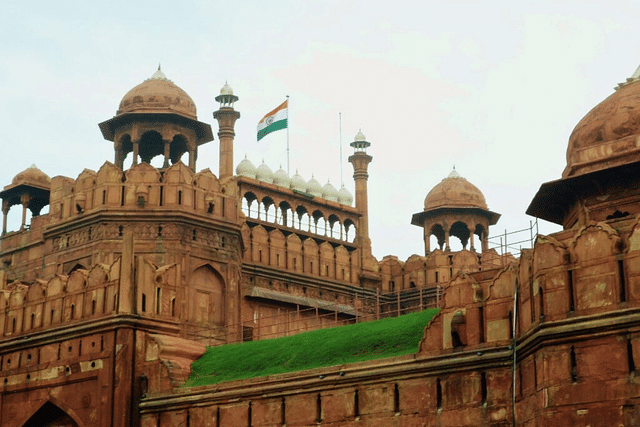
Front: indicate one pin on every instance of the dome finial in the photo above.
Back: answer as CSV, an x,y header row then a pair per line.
x,y
158,75
634,78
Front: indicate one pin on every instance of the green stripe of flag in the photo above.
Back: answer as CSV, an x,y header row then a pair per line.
x,y
280,124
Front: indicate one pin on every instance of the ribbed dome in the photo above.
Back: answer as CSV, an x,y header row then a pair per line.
x,y
264,174
359,137
158,95
32,176
281,178
314,187
226,90
345,197
246,168
329,192
454,192
607,135
298,183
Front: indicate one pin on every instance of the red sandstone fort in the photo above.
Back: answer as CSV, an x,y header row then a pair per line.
x,y
123,275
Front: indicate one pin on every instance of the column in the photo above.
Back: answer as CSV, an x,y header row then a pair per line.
x,y
446,240
192,159
136,148
167,147
119,155
427,239
24,200
5,214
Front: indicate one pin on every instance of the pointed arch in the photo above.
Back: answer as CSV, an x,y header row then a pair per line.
x,y
76,267
52,412
207,299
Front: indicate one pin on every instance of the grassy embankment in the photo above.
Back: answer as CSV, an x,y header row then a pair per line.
x,y
325,347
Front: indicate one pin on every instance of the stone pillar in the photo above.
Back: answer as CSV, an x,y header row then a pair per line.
x,y
167,150
485,241
471,246
24,200
5,214
136,150
119,155
226,117
446,240
427,239
193,155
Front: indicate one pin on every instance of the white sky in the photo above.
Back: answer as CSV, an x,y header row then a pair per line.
x,y
492,87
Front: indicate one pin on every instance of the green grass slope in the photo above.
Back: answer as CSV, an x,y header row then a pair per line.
x,y
325,347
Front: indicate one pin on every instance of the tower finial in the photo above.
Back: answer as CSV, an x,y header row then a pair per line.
x,y
159,68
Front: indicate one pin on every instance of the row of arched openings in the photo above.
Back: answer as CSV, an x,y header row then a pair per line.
x,y
299,218
461,232
151,146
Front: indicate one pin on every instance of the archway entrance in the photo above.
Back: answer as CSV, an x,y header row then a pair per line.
x,y
49,415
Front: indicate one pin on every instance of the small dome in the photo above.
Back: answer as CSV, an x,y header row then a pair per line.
x,y
359,137
607,134
298,183
32,176
454,192
246,168
226,89
329,192
158,94
264,173
281,178
314,188
345,197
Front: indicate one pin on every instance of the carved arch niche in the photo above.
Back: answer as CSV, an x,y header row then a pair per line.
x,y
594,281
206,294
550,293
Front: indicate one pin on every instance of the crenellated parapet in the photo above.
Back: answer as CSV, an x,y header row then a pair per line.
x,y
88,294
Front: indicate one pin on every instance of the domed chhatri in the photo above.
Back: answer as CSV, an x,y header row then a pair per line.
x,y
455,207
454,191
158,94
602,158
156,118
606,136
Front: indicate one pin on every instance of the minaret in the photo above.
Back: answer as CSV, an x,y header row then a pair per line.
x,y
226,117
360,160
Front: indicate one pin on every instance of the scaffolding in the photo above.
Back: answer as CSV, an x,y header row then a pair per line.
x,y
513,242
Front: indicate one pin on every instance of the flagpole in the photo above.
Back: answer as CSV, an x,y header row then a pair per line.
x,y
288,171
341,177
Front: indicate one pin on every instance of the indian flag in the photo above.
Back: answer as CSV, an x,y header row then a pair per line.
x,y
273,121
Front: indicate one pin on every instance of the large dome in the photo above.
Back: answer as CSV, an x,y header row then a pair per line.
x,y
607,135
454,192
158,94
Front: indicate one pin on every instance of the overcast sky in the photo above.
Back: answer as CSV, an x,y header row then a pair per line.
x,y
494,88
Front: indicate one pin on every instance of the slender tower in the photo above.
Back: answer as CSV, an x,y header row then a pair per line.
x,y
360,160
226,117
